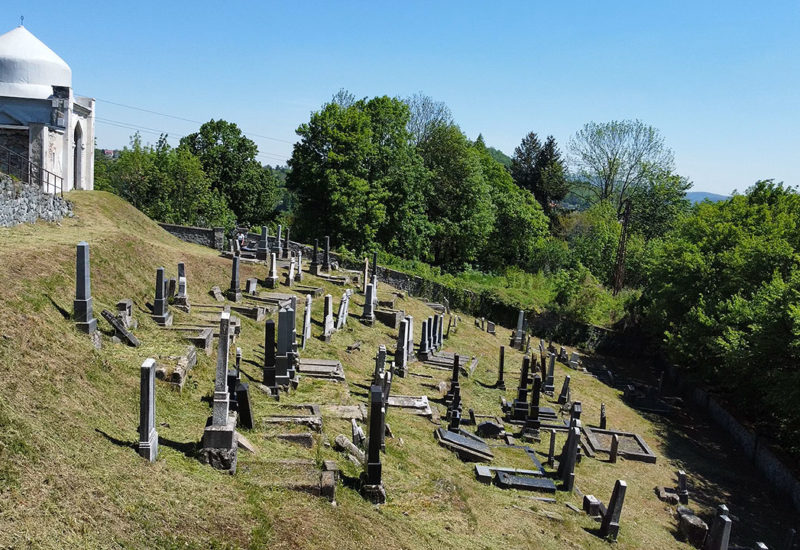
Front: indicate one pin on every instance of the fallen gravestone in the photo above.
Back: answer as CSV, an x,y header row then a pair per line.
x,y
120,332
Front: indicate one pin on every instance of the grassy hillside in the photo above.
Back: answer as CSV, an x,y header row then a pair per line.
x,y
70,475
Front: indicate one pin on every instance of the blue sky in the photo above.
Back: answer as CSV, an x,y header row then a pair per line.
x,y
721,80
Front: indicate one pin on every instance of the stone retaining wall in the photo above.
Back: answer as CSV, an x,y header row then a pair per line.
x,y
24,203
211,237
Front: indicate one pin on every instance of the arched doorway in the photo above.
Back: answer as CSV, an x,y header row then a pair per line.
x,y
77,160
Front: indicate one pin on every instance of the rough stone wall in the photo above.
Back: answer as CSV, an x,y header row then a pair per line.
x,y
16,140
212,238
22,203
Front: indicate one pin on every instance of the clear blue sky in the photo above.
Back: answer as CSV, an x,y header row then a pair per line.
x,y
721,80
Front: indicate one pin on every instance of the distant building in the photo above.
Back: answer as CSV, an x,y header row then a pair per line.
x,y
41,120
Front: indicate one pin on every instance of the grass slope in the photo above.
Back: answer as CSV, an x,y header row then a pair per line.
x,y
70,476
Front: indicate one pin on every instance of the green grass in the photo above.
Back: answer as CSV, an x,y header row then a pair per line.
x,y
70,476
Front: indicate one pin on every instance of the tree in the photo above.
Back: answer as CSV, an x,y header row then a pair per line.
x,y
229,160
613,159
540,169
459,205
426,115
658,204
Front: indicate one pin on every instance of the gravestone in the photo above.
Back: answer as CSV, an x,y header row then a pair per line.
x,y
148,436
328,325
219,437
172,285
289,275
410,334
120,332
491,328
326,258
272,280
455,386
423,353
435,333
368,317
563,397
161,314
235,291
299,275
269,357
532,422
287,249
400,354
549,381
440,337
243,406
614,451
683,491
182,299
569,457
251,286
517,336
374,282
719,534
125,314
520,405
306,322
610,525
574,360
501,384
341,318
371,479
278,250
262,251
82,306
315,258
603,420
552,451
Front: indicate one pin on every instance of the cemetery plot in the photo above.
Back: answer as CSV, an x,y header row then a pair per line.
x,y
468,447
631,445
326,369
414,404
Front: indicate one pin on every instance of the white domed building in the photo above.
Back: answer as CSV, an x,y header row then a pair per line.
x,y
46,132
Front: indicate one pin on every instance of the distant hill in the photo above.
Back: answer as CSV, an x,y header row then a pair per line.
x,y
700,196
500,156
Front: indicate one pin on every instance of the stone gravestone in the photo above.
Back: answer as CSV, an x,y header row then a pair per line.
x,y
431,346
219,438
326,258
683,491
440,331
306,322
410,334
315,259
569,456
287,249
328,325
517,336
720,533
272,280
82,306
365,276
501,384
161,314
610,525
520,405
262,252
563,397
278,250
532,422
550,382
371,481
574,360
182,299
251,286
235,291
269,357
423,353
435,333
290,274
299,275
342,315
120,332
603,419
125,314
148,436
368,316
400,354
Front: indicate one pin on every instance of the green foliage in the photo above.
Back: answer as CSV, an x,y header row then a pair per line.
x,y
228,158
593,237
658,203
167,184
723,289
538,168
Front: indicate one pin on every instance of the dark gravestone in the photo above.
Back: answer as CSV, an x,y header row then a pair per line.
x,y
235,291
315,258
501,384
468,447
520,406
563,397
262,252
243,406
287,250
326,259
532,422
371,480
161,314
172,285
610,525
603,420
423,353
269,356
119,329
374,272
82,306
148,436
490,429
507,480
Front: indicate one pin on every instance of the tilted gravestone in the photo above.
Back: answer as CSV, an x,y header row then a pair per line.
x,y
82,306
148,436
368,317
120,332
371,479
328,323
610,525
563,397
306,322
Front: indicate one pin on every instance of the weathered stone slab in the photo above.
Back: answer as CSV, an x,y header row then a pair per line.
x,y
120,332
327,369
348,412
415,404
631,445
468,447
507,480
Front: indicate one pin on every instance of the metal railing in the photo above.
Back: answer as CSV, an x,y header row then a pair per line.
x,y
18,166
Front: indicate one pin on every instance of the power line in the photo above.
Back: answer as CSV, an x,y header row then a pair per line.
x,y
187,119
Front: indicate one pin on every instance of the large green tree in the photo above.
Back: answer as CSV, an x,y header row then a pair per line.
x,y
540,169
228,158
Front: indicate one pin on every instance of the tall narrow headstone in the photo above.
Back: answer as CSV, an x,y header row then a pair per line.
x,y
148,436
306,321
279,243
371,481
369,313
82,306
327,321
455,385
532,423
221,399
315,259
517,336
603,419
299,275
501,384
262,252
365,276
375,264
614,449
235,290
520,406
410,334
440,331
326,258
570,458
400,354
563,397
161,314
551,453
550,382
683,491
435,333
429,335
610,525
374,291
272,280
269,354
719,534
423,353
287,249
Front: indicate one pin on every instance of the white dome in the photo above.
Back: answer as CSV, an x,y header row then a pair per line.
x,y
28,68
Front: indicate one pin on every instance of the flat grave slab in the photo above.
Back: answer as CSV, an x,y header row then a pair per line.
x,y
468,447
357,412
326,369
631,446
507,480
314,291
416,404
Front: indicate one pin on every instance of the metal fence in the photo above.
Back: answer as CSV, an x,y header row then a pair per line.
x,y
20,167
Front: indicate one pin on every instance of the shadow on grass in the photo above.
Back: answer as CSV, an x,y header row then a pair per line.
x,y
64,313
188,449
118,442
